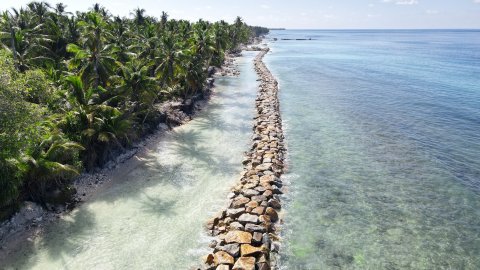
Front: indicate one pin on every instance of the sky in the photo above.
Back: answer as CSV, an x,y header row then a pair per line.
x,y
301,14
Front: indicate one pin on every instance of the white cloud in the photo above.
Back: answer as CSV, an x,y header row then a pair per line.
x,y
476,1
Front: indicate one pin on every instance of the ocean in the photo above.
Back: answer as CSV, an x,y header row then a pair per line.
x,y
383,136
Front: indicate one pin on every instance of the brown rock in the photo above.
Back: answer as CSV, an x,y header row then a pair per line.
x,y
247,249
268,179
240,201
222,257
223,267
252,204
250,185
272,214
265,220
238,237
268,193
258,210
244,263
209,259
263,167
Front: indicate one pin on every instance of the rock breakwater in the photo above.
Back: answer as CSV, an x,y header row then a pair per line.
x,y
246,230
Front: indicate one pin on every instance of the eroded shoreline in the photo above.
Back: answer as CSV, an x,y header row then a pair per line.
x,y
246,230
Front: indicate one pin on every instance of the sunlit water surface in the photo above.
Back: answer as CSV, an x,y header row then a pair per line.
x,y
153,218
383,134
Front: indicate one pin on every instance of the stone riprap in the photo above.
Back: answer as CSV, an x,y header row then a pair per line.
x,y
245,232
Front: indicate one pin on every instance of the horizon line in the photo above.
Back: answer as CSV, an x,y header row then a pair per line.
x,y
328,29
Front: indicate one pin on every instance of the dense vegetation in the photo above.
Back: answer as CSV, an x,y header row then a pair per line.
x,y
76,87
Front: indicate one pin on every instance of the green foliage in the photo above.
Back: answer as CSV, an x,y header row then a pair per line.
x,y
34,155
76,88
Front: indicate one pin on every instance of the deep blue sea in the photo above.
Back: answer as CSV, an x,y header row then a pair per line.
x,y
383,135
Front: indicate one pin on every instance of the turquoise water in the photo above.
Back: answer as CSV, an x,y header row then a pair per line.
x,y
383,134
153,214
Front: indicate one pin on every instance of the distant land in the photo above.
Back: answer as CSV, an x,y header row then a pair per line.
x,y
277,29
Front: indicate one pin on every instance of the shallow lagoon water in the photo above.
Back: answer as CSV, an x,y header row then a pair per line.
x,y
153,216
383,137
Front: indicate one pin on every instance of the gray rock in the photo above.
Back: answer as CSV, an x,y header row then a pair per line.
x,y
259,198
232,249
254,228
274,203
235,212
236,226
248,218
250,192
257,237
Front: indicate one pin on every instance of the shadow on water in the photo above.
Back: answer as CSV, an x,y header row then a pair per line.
x,y
74,231
195,151
158,206
216,120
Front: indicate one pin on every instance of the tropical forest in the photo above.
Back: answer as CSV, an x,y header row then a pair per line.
x,y
77,89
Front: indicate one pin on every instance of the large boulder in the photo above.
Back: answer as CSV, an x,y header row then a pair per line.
x,y
222,257
244,263
272,214
248,218
232,249
238,237
247,249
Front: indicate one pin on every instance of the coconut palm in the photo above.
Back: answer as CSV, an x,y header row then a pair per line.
x,y
48,165
99,78
94,59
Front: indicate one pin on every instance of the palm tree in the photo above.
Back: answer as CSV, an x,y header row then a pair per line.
x,y
95,60
136,82
106,73
138,16
94,124
47,166
163,19
170,56
27,46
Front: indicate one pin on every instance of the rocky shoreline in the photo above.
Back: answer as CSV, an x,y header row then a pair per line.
x,y
31,219
245,232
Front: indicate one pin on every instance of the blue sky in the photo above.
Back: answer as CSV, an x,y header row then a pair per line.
x,y
318,14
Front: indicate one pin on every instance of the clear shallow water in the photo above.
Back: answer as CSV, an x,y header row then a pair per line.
x,y
153,218
383,133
